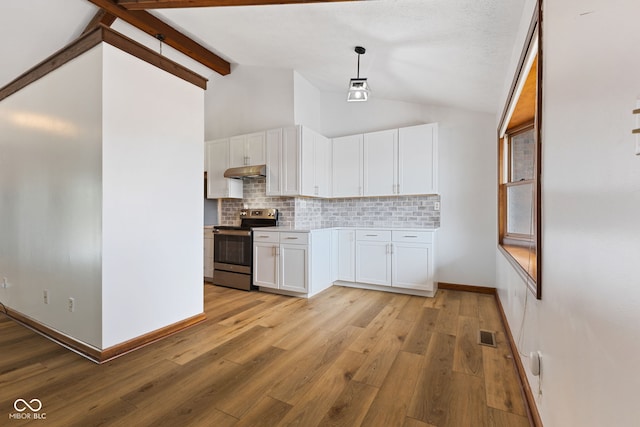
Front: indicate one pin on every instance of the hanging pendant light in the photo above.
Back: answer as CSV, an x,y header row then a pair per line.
x,y
359,89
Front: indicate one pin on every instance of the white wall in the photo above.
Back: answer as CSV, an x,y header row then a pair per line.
x,y
587,323
467,176
50,198
152,156
250,99
306,103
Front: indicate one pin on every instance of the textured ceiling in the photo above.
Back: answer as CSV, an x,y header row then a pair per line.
x,y
442,52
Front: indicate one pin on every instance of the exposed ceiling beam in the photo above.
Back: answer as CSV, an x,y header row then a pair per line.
x,y
155,27
102,17
163,4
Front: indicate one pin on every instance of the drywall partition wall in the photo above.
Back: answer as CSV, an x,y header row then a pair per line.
x,y
467,176
250,99
51,198
306,103
587,323
153,206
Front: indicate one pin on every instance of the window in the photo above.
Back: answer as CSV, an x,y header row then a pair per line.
x,y
519,188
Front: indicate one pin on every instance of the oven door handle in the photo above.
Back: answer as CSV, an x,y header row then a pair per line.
x,y
232,232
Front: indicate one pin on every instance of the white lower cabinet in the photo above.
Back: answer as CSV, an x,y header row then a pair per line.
x,y
411,267
345,255
398,258
305,263
265,264
373,257
293,262
294,267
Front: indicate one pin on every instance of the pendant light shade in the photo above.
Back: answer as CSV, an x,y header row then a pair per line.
x,y
359,89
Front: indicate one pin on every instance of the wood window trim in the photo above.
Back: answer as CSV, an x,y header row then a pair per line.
x,y
526,262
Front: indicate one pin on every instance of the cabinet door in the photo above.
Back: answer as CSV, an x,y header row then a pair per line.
x,y
322,165
255,149
308,163
418,159
380,163
412,266
294,267
274,162
346,257
237,151
219,187
265,265
347,166
373,262
290,170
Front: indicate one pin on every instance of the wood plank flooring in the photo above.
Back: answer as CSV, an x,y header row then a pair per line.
x,y
347,357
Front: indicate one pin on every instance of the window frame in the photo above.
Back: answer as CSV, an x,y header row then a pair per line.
x,y
509,182
531,271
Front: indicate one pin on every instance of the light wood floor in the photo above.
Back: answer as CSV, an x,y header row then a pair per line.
x,y
347,357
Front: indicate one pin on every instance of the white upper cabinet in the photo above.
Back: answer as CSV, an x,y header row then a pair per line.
x,y
247,150
219,187
417,159
315,165
301,162
274,162
401,161
283,161
347,166
380,163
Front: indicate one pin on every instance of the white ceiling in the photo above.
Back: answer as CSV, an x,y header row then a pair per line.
x,y
441,52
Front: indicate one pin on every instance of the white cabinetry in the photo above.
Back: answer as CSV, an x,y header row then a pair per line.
x,y
380,163
401,161
347,164
418,159
281,260
401,259
296,263
266,248
283,161
208,253
346,255
373,257
315,166
219,187
247,150
412,260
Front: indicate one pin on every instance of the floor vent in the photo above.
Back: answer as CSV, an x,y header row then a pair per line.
x,y
487,338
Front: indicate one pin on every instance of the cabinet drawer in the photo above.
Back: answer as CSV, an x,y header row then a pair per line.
x,y
295,238
412,236
266,237
373,235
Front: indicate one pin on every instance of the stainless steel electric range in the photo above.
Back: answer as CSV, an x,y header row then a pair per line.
x,y
233,248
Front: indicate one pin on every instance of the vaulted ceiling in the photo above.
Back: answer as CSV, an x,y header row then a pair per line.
x,y
440,52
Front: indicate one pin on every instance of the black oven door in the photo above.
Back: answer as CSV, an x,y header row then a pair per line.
x,y
232,251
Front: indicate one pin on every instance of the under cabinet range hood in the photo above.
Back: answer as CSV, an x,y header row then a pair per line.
x,y
256,171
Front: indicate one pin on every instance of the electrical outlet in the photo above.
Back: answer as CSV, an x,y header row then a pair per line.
x,y
5,283
72,305
45,296
436,206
